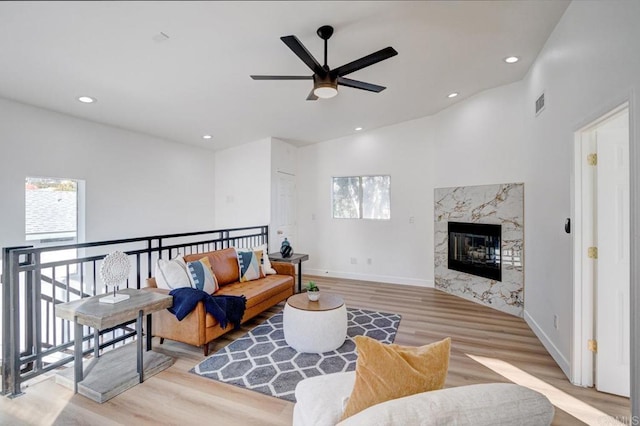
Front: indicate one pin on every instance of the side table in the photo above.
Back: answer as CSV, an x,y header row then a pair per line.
x,y
109,375
296,259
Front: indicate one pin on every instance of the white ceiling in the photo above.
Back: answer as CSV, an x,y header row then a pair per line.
x,y
197,82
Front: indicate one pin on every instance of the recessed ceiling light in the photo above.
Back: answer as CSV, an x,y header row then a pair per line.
x,y
452,95
357,129
511,59
87,99
207,137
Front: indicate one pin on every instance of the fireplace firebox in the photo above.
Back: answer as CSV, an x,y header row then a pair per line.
x,y
474,248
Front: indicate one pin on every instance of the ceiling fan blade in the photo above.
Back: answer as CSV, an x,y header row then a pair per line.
x,y
312,96
298,48
360,85
365,61
281,77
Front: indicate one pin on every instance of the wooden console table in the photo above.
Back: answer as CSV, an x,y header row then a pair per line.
x,y
108,375
296,259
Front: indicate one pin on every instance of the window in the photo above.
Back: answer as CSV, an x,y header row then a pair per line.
x,y
361,197
51,209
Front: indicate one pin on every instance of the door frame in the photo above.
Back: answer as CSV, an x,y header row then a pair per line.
x,y
582,360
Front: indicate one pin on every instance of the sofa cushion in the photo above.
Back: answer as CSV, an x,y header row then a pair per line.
x,y
250,265
256,291
224,264
172,273
201,276
385,372
320,403
474,405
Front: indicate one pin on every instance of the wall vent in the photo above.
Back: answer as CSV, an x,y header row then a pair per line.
x,y
540,104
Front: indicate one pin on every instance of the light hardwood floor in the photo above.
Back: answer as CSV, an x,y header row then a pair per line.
x,y
176,396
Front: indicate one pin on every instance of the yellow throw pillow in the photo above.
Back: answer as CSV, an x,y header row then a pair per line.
x,y
385,372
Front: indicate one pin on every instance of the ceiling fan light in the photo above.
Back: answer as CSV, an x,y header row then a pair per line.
x,y
325,87
325,92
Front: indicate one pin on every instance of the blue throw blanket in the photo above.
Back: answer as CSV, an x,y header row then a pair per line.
x,y
225,309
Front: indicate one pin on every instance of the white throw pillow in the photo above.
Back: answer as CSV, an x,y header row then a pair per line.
x,y
172,273
266,263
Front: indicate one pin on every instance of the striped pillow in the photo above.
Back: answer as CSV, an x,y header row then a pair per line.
x,y
250,264
201,276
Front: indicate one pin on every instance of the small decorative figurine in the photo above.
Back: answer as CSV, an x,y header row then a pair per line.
x,y
285,249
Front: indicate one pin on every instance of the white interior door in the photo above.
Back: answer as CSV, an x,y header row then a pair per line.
x,y
285,210
613,268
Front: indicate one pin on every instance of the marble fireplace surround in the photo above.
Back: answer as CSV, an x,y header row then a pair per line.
x,y
501,204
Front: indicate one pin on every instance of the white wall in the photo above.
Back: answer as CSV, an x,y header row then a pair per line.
x,y
243,185
589,65
480,141
401,252
136,185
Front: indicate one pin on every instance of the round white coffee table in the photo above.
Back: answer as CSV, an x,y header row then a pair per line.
x,y
315,327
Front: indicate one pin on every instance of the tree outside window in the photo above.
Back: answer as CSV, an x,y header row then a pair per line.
x,y
362,197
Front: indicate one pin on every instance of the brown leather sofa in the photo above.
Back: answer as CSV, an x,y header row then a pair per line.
x,y
199,328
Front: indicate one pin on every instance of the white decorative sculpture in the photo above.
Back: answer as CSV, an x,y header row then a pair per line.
x,y
113,271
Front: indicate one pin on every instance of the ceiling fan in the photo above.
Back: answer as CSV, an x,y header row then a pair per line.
x,y
326,80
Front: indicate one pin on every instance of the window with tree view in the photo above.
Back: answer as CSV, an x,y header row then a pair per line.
x,y
362,197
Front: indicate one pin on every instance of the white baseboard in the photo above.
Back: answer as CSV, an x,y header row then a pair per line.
x,y
555,353
369,277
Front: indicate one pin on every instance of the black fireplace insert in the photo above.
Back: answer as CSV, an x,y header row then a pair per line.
x,y
474,248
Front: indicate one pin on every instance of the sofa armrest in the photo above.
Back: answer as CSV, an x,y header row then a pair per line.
x,y
321,399
284,268
151,283
152,286
190,330
156,290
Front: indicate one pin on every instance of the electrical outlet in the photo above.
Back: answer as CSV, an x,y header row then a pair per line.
x,y
369,261
354,261
313,216
412,219
555,322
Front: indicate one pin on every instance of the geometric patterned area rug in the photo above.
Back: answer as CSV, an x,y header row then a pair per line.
x,y
262,361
